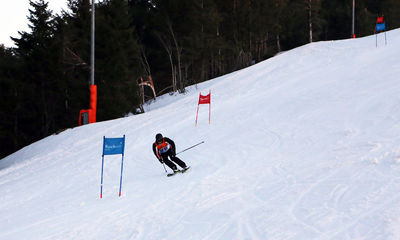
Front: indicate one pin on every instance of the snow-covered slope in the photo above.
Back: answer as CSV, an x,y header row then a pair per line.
x,y
305,145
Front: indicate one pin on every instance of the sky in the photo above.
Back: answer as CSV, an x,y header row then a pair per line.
x,y
13,17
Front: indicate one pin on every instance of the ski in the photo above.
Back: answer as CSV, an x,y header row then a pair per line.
x,y
184,170
172,174
179,171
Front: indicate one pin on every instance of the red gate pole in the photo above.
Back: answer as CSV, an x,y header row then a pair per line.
x,y
197,114
209,109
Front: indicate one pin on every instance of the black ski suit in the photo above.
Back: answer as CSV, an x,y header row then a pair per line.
x,y
167,149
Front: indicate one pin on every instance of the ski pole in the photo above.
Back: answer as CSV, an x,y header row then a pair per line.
x,y
164,167
190,147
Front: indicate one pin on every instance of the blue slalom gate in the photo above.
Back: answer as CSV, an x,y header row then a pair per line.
x,y
112,146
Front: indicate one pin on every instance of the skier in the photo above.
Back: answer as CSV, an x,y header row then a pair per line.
x,y
163,148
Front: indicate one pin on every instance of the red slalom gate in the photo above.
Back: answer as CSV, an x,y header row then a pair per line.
x,y
204,99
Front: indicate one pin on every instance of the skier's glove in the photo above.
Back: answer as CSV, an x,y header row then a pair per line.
x,y
173,153
161,161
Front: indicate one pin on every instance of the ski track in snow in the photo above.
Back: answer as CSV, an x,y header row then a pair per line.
x,y
304,145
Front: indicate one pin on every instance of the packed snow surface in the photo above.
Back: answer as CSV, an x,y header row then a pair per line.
x,y
305,145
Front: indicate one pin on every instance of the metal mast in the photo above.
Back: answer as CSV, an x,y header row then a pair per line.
x,y
352,28
92,48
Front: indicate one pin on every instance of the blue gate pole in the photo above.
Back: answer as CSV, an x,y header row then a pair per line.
x,y
102,165
122,166
120,181
101,184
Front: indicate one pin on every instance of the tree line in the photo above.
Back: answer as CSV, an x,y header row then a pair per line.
x,y
44,79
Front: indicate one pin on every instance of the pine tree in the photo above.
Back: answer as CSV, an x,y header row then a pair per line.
x,y
11,138
76,35
117,61
40,57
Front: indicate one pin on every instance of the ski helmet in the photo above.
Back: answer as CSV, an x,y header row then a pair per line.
x,y
159,137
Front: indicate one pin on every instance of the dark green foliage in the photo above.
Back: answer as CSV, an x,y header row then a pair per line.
x,y
10,101
44,80
40,78
117,61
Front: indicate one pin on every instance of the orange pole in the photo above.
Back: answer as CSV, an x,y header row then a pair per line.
x,y
93,103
